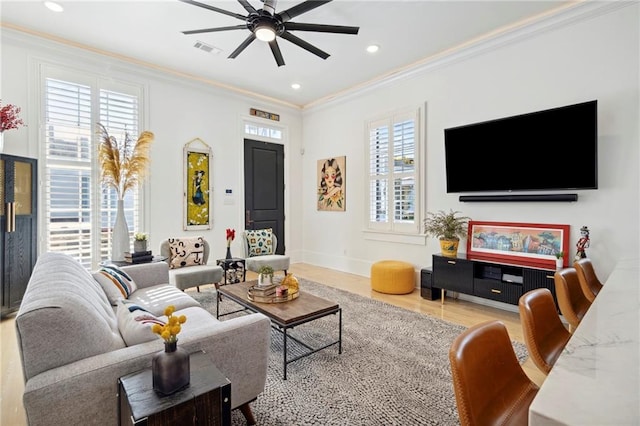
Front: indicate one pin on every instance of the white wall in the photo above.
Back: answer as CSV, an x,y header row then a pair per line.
x,y
178,111
595,57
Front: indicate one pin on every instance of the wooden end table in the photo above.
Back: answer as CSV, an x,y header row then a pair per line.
x,y
206,401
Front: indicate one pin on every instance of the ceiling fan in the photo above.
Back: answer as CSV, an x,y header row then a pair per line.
x,y
265,24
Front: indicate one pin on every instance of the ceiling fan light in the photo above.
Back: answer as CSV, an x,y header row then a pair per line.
x,y
265,33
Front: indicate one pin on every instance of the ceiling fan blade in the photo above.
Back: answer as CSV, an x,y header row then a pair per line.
x,y
338,29
242,46
247,6
213,30
301,8
215,9
275,49
307,46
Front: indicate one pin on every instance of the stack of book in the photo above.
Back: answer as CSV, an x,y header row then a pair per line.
x,y
138,257
263,291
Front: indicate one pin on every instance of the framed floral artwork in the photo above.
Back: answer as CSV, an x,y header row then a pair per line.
x,y
531,244
197,185
332,173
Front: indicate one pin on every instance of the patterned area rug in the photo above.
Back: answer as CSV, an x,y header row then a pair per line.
x,y
393,370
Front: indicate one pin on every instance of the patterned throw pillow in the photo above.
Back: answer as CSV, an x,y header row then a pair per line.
x,y
116,283
260,242
186,252
135,323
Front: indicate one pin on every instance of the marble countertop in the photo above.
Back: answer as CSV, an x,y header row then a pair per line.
x,y
596,380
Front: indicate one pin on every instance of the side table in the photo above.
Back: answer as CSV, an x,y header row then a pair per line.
x,y
206,401
234,269
156,258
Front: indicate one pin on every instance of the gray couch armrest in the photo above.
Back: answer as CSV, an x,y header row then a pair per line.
x,y
148,274
88,389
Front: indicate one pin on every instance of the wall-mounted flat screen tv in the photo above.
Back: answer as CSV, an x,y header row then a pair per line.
x,y
554,149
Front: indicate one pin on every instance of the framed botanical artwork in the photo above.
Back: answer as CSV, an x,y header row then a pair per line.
x,y
197,185
332,173
531,244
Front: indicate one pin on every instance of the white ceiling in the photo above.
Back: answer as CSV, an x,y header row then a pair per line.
x,y
408,32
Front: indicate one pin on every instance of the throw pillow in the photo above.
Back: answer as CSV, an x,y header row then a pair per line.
x,y
135,323
260,242
116,283
186,252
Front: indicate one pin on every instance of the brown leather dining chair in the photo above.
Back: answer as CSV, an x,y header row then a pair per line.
x,y
587,277
491,387
571,299
544,333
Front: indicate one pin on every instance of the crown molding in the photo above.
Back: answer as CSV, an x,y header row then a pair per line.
x,y
577,11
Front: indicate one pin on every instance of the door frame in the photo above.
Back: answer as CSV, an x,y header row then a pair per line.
x,y
261,122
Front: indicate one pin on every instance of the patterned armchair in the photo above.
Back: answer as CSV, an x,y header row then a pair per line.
x,y
260,248
187,258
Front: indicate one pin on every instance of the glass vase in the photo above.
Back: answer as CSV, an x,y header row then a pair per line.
x,y
170,369
229,257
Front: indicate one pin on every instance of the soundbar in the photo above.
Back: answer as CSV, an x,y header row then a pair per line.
x,y
526,197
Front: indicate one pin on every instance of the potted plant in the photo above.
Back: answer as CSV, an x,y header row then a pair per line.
x,y
559,259
449,228
265,275
140,242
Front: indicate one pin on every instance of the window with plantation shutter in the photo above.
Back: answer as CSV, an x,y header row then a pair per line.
x,y
393,145
79,212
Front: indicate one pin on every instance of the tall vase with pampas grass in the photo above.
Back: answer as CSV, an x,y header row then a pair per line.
x,y
123,165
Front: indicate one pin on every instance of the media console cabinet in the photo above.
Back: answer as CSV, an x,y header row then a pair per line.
x,y
489,280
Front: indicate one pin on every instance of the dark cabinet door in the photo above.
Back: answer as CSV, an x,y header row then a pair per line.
x,y
539,278
453,274
18,223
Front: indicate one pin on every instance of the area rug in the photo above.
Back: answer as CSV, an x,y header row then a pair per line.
x,y
393,370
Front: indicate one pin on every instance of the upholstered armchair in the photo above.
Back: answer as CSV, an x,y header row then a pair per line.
x,y
187,258
259,250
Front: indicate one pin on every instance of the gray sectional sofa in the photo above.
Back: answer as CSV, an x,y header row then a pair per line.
x,y
73,351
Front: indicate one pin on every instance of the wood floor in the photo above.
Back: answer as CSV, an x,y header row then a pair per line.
x,y
455,311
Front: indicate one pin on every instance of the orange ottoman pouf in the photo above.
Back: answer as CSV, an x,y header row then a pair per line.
x,y
392,277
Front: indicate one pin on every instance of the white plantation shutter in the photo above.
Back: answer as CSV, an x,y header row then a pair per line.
x,y
79,213
393,188
119,114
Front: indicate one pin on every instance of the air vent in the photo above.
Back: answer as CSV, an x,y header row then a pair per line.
x,y
207,48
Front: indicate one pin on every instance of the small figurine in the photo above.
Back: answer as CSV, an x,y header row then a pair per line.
x,y
582,244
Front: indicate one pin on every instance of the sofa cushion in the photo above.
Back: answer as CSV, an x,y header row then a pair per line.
x,y
155,298
260,242
116,283
186,252
135,323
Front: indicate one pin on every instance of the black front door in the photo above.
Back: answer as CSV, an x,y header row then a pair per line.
x,y
264,188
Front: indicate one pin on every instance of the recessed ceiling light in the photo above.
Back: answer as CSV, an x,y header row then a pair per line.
x,y
295,86
53,6
373,48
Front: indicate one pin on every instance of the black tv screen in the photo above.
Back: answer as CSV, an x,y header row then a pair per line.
x,y
554,149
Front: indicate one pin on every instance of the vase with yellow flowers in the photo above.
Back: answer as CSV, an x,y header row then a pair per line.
x,y
123,165
170,368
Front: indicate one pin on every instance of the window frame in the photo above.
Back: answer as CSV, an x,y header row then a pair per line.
x,y
97,84
395,231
